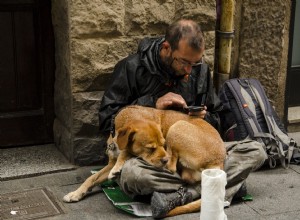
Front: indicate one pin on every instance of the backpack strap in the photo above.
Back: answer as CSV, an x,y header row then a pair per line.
x,y
267,139
280,139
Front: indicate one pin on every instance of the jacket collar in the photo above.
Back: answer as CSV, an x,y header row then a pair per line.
x,y
149,50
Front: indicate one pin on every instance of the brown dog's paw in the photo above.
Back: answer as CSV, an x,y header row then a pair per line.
x,y
113,173
171,167
172,170
73,197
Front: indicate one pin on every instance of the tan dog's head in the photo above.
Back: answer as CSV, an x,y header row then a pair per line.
x,y
143,139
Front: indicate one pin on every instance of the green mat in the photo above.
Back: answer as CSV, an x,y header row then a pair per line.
x,y
120,200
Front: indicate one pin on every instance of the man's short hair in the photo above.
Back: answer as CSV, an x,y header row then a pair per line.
x,y
187,29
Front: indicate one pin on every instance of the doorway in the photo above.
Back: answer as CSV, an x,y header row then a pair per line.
x,y
27,72
294,57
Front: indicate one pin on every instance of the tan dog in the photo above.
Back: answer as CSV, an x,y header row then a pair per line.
x,y
196,147
141,131
148,144
142,139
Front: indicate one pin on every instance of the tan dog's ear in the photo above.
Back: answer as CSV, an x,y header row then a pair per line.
x,y
125,136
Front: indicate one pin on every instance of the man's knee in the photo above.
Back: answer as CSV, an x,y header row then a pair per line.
x,y
134,179
261,156
256,154
132,172
140,178
248,154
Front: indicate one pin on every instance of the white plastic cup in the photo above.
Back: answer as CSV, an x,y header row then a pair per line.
x,y
213,194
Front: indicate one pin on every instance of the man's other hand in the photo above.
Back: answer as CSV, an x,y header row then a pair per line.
x,y
170,99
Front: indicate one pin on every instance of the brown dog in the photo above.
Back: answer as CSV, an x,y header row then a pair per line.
x,y
143,132
139,138
196,147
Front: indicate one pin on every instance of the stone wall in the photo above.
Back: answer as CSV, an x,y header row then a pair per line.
x,y
261,45
90,38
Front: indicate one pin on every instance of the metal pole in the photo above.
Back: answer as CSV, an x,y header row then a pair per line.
x,y
225,34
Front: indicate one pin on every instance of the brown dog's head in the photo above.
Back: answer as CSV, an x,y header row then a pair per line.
x,y
143,139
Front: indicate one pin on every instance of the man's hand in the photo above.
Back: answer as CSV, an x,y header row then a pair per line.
x,y
170,99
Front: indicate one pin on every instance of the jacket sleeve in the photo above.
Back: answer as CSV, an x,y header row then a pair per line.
x,y
214,106
213,103
120,93
114,97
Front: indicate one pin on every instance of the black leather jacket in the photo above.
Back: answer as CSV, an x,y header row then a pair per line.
x,y
141,79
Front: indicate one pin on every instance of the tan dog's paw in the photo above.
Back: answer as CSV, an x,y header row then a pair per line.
x,y
171,167
73,197
172,170
113,173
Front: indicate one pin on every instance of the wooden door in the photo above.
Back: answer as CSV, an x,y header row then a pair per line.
x,y
293,87
26,72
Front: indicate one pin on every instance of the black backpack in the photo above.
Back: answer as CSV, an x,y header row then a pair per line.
x,y
249,114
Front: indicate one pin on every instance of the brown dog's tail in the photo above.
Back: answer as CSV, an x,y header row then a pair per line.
x,y
188,208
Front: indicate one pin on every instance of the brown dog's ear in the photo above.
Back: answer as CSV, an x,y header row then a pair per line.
x,y
125,136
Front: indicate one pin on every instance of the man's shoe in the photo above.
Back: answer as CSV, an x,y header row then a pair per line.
x,y
162,203
241,192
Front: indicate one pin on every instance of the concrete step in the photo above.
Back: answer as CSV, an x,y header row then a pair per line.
x,y
20,162
294,119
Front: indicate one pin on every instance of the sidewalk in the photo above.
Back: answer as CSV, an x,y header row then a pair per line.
x,y
275,194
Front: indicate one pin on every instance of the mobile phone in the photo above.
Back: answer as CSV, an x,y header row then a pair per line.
x,y
193,108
